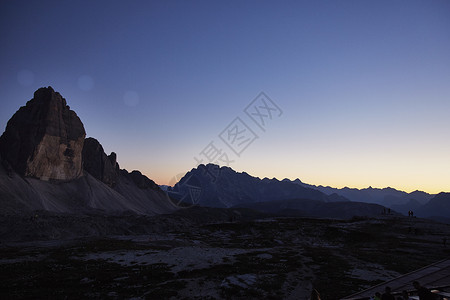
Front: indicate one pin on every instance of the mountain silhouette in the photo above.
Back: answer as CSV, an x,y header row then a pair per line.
x,y
47,164
223,187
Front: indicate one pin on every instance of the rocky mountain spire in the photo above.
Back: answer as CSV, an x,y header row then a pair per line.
x,y
44,139
98,164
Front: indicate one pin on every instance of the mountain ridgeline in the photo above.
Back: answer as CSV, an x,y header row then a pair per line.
x,y
47,164
214,186
422,204
388,197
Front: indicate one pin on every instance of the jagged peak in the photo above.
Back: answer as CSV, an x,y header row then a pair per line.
x,y
44,138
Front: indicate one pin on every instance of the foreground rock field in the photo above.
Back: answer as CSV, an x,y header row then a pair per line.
x,y
209,254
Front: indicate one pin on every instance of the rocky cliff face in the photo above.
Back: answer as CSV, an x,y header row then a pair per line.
x,y
106,169
98,164
44,139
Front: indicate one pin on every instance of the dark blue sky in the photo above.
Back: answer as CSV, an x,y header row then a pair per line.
x,y
362,87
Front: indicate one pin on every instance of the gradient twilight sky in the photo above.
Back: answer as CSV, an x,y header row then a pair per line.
x,y
364,86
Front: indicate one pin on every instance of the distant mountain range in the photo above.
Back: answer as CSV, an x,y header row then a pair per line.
x,y
388,197
214,186
420,203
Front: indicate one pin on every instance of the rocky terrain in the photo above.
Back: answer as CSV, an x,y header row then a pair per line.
x,y
207,253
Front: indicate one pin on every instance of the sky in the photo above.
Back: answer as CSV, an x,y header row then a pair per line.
x,y
337,93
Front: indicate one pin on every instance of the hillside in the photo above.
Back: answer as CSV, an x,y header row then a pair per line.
x,y
318,209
